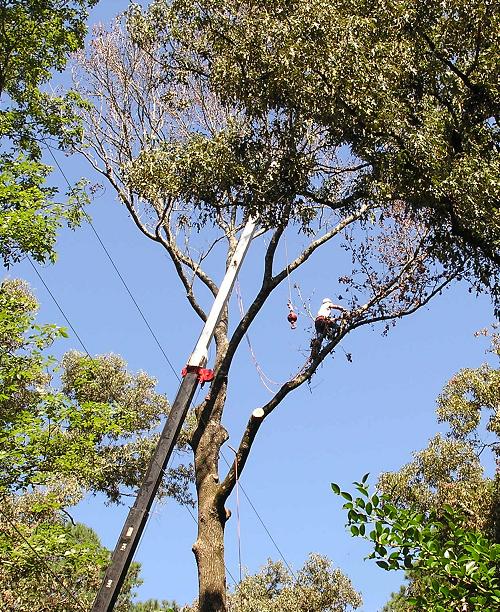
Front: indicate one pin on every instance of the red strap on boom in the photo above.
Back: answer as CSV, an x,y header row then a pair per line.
x,y
204,375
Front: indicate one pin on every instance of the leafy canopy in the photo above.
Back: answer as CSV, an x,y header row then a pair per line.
x,y
458,565
97,429
317,587
48,562
409,88
153,605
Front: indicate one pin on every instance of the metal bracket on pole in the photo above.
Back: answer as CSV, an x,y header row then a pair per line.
x,y
138,514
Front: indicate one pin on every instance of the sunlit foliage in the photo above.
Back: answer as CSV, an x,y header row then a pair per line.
x,y
438,516
36,38
410,89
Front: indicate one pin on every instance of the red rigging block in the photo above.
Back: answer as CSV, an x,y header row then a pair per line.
x,y
292,319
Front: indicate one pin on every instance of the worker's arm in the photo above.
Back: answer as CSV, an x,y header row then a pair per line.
x,y
339,307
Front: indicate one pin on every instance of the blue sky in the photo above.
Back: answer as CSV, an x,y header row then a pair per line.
x,y
364,416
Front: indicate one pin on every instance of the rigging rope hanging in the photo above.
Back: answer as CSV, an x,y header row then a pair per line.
x,y
292,315
264,379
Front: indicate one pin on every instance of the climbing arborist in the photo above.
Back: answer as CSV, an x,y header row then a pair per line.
x,y
326,326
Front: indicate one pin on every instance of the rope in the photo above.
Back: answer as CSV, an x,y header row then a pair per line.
x,y
238,526
264,378
290,302
240,486
238,513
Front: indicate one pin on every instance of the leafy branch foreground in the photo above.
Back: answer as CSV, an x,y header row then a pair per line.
x,y
460,566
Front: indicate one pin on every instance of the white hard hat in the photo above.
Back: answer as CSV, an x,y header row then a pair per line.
x,y
327,301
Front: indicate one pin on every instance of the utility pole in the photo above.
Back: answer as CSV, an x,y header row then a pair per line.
x,y
138,514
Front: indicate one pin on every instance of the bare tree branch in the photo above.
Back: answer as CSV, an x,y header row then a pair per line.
x,y
315,244
355,319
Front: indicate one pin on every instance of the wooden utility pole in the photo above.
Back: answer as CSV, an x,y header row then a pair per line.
x,y
138,514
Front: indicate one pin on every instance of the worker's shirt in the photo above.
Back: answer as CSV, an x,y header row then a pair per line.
x,y
325,310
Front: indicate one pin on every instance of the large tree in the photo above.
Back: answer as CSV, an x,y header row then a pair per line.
x,y
191,168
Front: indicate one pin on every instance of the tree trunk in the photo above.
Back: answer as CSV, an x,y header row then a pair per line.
x,y
209,546
209,553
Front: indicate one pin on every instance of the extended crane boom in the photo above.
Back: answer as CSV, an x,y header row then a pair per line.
x,y
138,514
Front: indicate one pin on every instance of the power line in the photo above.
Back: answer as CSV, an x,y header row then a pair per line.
x,y
134,300
58,306
43,561
108,255
238,523
262,522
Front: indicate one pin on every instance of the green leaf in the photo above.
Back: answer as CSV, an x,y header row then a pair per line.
x,y
335,488
383,564
360,502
